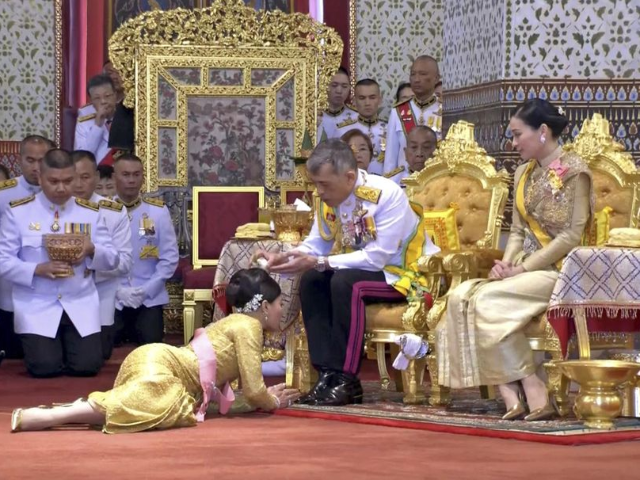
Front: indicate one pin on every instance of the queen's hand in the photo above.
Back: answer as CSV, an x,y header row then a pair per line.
x,y
284,396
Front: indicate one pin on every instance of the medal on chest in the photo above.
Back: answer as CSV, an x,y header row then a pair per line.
x,y
359,229
55,226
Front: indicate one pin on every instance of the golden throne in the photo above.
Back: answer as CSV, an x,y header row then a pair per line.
x,y
616,183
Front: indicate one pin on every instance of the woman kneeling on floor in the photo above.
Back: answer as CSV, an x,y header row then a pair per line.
x,y
158,385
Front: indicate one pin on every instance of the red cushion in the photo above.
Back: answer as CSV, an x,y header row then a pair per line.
x,y
199,279
292,196
219,215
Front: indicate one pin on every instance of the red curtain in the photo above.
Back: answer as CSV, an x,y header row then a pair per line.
x,y
301,6
336,15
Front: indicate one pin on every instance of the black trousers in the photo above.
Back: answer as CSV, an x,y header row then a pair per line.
x,y
9,339
66,354
106,338
333,312
139,325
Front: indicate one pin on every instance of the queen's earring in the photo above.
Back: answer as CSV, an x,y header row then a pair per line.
x,y
543,139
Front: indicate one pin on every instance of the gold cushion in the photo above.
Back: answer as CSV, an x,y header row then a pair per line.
x,y
599,230
385,316
473,200
442,228
609,193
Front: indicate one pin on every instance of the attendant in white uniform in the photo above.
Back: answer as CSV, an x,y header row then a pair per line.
x,y
338,111
423,109
92,130
421,145
56,304
141,295
368,103
381,233
32,150
114,215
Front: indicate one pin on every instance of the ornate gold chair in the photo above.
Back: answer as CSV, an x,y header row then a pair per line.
x,y
212,226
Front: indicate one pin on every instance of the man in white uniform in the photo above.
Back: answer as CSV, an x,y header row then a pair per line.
x,y
338,110
423,109
381,234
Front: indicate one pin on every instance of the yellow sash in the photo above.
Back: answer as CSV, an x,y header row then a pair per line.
x,y
534,226
410,277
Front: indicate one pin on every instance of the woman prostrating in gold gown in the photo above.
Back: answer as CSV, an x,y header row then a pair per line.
x,y
159,386
481,338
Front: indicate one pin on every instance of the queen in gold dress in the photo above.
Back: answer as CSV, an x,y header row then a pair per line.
x,y
481,338
160,386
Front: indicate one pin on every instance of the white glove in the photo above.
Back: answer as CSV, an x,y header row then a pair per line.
x,y
412,347
131,297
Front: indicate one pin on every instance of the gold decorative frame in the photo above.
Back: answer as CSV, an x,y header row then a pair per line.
x,y
196,260
227,35
353,45
59,69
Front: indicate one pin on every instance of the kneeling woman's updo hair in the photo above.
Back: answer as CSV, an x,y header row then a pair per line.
x,y
245,284
535,112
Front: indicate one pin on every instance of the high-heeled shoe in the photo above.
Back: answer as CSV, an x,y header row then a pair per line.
x,y
516,412
542,413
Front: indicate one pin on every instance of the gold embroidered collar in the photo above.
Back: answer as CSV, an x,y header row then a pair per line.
x,y
336,112
369,123
426,104
130,206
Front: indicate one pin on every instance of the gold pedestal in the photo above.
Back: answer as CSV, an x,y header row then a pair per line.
x,y
599,401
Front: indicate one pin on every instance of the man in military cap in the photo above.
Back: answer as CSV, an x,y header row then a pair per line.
x,y
380,233
32,150
423,109
56,303
368,103
141,295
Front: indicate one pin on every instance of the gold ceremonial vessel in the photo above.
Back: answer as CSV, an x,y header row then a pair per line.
x,y
631,390
64,247
291,225
599,401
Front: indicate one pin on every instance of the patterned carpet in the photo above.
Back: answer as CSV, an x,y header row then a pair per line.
x,y
468,414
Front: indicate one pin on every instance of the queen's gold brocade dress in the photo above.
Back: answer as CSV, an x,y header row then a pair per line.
x,y
158,385
480,339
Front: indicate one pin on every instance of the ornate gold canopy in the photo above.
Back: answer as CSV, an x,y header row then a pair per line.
x,y
224,91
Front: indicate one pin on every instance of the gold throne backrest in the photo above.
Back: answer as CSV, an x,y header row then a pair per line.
x,y
616,180
460,172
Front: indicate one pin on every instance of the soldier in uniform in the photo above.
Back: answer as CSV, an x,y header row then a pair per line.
x,y
32,150
421,143
56,303
367,103
338,110
92,130
114,215
142,294
381,233
423,109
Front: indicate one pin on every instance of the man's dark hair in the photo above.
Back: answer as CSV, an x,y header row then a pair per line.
x,y
367,82
37,139
127,156
105,171
343,70
78,155
58,159
99,81
5,171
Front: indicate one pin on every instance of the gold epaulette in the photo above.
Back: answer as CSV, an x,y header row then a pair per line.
x,y
109,205
393,172
84,118
12,182
87,204
156,202
347,122
22,201
370,194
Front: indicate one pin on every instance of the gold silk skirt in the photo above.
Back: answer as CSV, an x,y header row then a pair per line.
x,y
481,340
156,388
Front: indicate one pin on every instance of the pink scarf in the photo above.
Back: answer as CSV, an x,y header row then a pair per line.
x,y
207,363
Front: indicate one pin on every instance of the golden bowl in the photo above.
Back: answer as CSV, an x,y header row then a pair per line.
x,y
64,247
599,401
291,225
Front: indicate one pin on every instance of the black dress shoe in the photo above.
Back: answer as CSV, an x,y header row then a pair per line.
x,y
346,390
325,380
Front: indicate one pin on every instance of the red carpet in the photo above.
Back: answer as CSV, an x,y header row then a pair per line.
x,y
258,446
